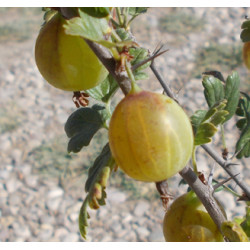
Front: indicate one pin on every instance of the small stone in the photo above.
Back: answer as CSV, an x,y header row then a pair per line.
x,y
71,237
56,192
22,231
116,227
46,232
142,232
31,181
47,219
156,235
4,174
14,199
141,208
4,235
53,204
5,144
16,155
61,233
116,196
7,220
13,185
126,219
107,238
9,77
74,217
25,169
14,209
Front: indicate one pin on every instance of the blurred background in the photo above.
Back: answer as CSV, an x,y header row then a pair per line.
x,y
42,187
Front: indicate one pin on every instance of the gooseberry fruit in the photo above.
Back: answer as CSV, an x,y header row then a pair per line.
x,y
246,54
188,221
150,136
66,61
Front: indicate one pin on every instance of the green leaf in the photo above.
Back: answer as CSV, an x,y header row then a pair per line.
x,y
82,125
232,94
140,75
246,25
104,91
246,223
243,144
197,118
233,231
83,219
101,161
96,183
245,34
139,55
94,29
135,11
96,11
243,110
123,34
205,122
213,90
204,133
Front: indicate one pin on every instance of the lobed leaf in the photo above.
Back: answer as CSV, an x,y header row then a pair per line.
x,y
82,125
104,91
213,90
101,161
95,186
245,34
197,118
243,110
232,94
243,144
135,11
205,122
99,12
204,133
86,26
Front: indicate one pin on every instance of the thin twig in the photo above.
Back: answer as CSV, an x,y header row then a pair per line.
x,y
227,166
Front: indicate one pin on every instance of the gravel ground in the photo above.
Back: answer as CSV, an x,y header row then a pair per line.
x,y
39,205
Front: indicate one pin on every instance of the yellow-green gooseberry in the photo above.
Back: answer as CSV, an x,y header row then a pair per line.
x,y
188,221
150,136
66,61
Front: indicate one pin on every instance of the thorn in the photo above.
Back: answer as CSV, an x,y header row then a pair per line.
x,y
151,58
223,182
210,177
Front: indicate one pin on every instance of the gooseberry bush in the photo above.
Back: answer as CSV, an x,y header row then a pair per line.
x,y
92,52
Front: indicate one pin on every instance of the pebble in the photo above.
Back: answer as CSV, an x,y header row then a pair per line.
x,y
55,193
53,204
61,233
141,208
22,231
71,237
116,196
13,185
156,235
46,232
